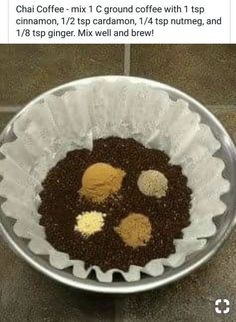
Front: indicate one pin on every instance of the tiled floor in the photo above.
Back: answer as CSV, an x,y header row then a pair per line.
x,y
26,295
27,71
207,72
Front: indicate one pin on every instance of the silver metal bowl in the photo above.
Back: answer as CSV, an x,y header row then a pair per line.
x,y
224,223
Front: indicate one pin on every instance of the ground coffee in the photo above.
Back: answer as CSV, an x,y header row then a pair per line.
x,y
61,204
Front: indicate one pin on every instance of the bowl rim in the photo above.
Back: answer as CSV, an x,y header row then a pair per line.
x,y
148,283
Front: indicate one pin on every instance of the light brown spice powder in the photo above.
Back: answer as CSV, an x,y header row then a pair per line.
x,y
135,230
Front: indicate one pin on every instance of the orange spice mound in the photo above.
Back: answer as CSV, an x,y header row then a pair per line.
x,y
101,180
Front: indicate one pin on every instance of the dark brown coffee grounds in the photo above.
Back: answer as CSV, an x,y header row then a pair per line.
x,y
61,204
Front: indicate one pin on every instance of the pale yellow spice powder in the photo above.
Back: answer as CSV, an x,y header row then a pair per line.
x,y
89,222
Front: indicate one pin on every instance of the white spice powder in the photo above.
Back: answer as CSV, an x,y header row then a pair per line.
x,y
152,183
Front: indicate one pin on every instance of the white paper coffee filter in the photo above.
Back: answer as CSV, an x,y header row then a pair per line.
x,y
46,131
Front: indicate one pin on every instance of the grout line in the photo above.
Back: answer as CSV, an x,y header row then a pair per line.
x,y
8,26
10,109
17,108
119,306
230,21
221,106
127,60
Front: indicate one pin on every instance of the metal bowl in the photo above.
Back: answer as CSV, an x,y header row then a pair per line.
x,y
224,223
